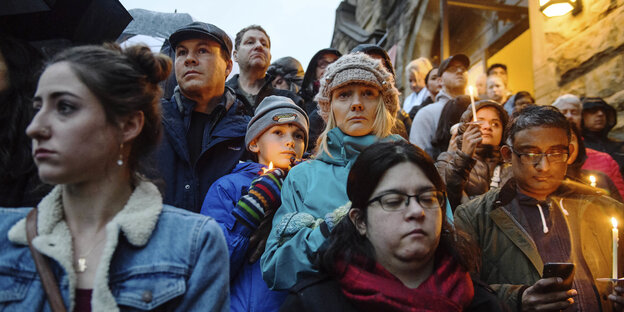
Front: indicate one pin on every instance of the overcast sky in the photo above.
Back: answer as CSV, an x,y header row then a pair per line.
x,y
297,28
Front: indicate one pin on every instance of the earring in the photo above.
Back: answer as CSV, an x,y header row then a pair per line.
x,y
120,161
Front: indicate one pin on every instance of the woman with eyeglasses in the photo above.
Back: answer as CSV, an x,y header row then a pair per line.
x,y
396,251
473,163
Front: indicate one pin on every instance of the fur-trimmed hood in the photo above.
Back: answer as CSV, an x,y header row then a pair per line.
x,y
137,220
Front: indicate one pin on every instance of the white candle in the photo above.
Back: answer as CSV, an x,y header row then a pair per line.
x,y
614,274
474,109
592,181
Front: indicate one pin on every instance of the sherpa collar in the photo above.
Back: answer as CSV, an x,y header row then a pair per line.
x,y
136,221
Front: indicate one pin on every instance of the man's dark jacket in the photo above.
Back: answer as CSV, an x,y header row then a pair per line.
x,y
510,261
266,90
186,184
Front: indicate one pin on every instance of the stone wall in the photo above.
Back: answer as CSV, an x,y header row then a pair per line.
x,y
581,54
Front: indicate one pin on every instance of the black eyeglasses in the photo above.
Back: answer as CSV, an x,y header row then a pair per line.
x,y
397,201
535,158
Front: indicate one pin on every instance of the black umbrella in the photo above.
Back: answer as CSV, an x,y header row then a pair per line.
x,y
80,21
12,7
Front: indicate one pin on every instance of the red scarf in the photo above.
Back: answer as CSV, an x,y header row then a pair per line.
x,y
449,288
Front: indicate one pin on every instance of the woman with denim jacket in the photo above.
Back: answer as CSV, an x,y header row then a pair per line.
x,y
110,242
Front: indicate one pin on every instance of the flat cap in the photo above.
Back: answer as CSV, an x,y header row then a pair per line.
x,y
196,30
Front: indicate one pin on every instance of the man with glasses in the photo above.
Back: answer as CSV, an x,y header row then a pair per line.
x,y
454,74
536,218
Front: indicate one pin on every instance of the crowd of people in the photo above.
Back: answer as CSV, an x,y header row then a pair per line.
x,y
280,189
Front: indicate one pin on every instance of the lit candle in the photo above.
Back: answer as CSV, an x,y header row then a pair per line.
x,y
474,109
614,274
592,181
270,167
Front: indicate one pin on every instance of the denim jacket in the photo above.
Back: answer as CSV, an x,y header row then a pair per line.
x,y
155,257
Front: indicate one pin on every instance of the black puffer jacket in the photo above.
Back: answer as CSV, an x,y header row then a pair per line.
x,y
467,177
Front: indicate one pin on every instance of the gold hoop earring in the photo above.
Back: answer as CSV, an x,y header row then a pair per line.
x,y
120,161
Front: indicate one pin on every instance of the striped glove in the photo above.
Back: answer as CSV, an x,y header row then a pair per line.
x,y
263,197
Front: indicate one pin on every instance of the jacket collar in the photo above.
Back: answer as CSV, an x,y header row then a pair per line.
x,y
185,104
502,216
344,149
137,220
442,96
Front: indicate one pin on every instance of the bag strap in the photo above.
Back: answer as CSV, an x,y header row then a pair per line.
x,y
43,268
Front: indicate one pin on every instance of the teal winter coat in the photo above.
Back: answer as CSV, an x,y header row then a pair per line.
x,y
311,192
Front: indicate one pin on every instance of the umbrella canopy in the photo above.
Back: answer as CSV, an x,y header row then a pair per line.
x,y
12,7
154,24
79,21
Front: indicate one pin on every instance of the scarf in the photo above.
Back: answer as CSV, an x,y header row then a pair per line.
x,y
449,288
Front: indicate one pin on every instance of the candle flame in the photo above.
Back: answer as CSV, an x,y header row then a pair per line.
x,y
470,89
592,179
614,222
267,169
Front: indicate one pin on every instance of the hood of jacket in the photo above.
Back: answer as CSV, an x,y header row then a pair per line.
x,y
344,149
609,111
307,89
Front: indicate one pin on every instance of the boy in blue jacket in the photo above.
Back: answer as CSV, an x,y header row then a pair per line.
x,y
244,201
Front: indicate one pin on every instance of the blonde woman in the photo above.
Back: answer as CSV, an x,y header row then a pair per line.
x,y
358,99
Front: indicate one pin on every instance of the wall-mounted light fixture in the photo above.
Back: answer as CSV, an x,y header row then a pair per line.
x,y
552,8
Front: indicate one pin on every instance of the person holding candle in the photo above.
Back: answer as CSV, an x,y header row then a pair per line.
x,y
359,100
454,74
535,218
244,201
476,165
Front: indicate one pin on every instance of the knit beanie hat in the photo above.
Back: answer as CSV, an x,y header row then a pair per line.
x,y
276,110
357,68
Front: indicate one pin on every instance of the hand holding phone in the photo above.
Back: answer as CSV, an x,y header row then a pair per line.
x,y
563,270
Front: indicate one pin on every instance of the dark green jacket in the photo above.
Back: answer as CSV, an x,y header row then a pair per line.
x,y
510,261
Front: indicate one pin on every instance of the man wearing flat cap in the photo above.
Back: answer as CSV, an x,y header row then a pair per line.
x,y
204,123
454,73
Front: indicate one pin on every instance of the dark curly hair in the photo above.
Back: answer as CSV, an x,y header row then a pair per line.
x,y
345,242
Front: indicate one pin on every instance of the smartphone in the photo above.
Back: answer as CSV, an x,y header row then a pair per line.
x,y
564,270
